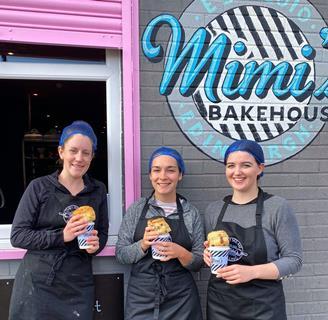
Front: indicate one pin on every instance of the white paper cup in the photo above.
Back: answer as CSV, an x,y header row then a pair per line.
x,y
82,239
219,257
163,238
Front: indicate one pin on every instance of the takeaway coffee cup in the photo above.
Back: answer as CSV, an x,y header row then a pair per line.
x,y
82,239
219,257
154,251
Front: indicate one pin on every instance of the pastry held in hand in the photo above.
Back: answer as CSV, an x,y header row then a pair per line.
x,y
159,224
87,212
218,238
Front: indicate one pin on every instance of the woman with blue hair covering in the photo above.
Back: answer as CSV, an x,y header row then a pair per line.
x,y
162,289
265,244
55,280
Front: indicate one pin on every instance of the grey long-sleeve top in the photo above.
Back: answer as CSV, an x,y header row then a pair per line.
x,y
280,228
128,251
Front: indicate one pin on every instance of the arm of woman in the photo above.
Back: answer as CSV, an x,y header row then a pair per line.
x,y
238,273
286,232
24,233
127,250
99,237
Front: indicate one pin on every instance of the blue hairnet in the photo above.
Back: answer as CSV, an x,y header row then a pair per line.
x,y
165,151
252,147
79,127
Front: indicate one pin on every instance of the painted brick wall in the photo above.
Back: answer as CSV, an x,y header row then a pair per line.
x,y
302,179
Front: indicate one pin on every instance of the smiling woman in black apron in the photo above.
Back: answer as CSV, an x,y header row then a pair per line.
x,y
265,244
162,289
54,280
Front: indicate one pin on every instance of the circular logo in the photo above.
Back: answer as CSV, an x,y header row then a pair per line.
x,y
251,75
67,213
236,251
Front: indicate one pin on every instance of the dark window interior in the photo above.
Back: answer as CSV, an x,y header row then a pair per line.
x,y
10,51
33,113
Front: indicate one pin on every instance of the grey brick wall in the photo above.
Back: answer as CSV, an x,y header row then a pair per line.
x,y
302,179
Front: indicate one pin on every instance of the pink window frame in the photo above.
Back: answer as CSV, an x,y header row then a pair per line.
x,y
123,35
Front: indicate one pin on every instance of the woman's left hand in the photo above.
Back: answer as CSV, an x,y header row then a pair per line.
x,y
93,241
236,273
170,249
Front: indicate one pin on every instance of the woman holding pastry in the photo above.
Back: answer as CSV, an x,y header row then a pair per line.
x,y
162,237
264,241
54,280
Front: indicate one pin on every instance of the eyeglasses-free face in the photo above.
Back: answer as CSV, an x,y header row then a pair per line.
x,y
164,176
242,171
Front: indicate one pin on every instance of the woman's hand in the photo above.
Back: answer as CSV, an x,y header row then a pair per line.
x,y
169,249
172,250
149,236
93,242
236,273
75,226
207,255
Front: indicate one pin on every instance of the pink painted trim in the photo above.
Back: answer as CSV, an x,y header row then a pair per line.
x,y
16,254
136,98
131,105
72,7
69,38
75,22
12,254
107,252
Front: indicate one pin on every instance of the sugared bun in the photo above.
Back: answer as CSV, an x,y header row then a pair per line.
x,y
159,225
87,212
218,238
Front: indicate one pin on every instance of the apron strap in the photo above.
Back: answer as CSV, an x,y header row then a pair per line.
x,y
262,254
161,287
146,207
223,210
179,207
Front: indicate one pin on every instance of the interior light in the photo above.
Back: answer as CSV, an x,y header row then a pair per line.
x,y
10,53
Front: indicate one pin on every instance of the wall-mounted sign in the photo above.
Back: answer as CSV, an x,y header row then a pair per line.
x,y
109,302
244,70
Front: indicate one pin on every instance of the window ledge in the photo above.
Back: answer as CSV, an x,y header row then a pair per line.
x,y
15,254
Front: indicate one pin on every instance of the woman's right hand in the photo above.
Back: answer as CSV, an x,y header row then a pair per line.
x,y
148,237
207,254
74,227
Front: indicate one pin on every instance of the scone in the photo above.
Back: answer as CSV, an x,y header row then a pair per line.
x,y
159,224
218,238
87,212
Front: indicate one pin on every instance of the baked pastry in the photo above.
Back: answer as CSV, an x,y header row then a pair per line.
x,y
87,212
159,224
218,238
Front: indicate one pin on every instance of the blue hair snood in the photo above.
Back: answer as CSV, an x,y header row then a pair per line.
x,y
79,127
252,147
165,151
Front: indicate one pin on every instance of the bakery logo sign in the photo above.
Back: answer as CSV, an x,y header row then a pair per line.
x,y
244,70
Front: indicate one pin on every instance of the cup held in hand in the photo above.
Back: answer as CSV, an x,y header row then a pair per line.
x,y
82,239
161,238
219,257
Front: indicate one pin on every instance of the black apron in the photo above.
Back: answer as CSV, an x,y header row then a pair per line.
x,y
55,284
253,300
162,290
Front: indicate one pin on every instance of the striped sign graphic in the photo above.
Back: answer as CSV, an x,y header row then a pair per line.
x,y
267,35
